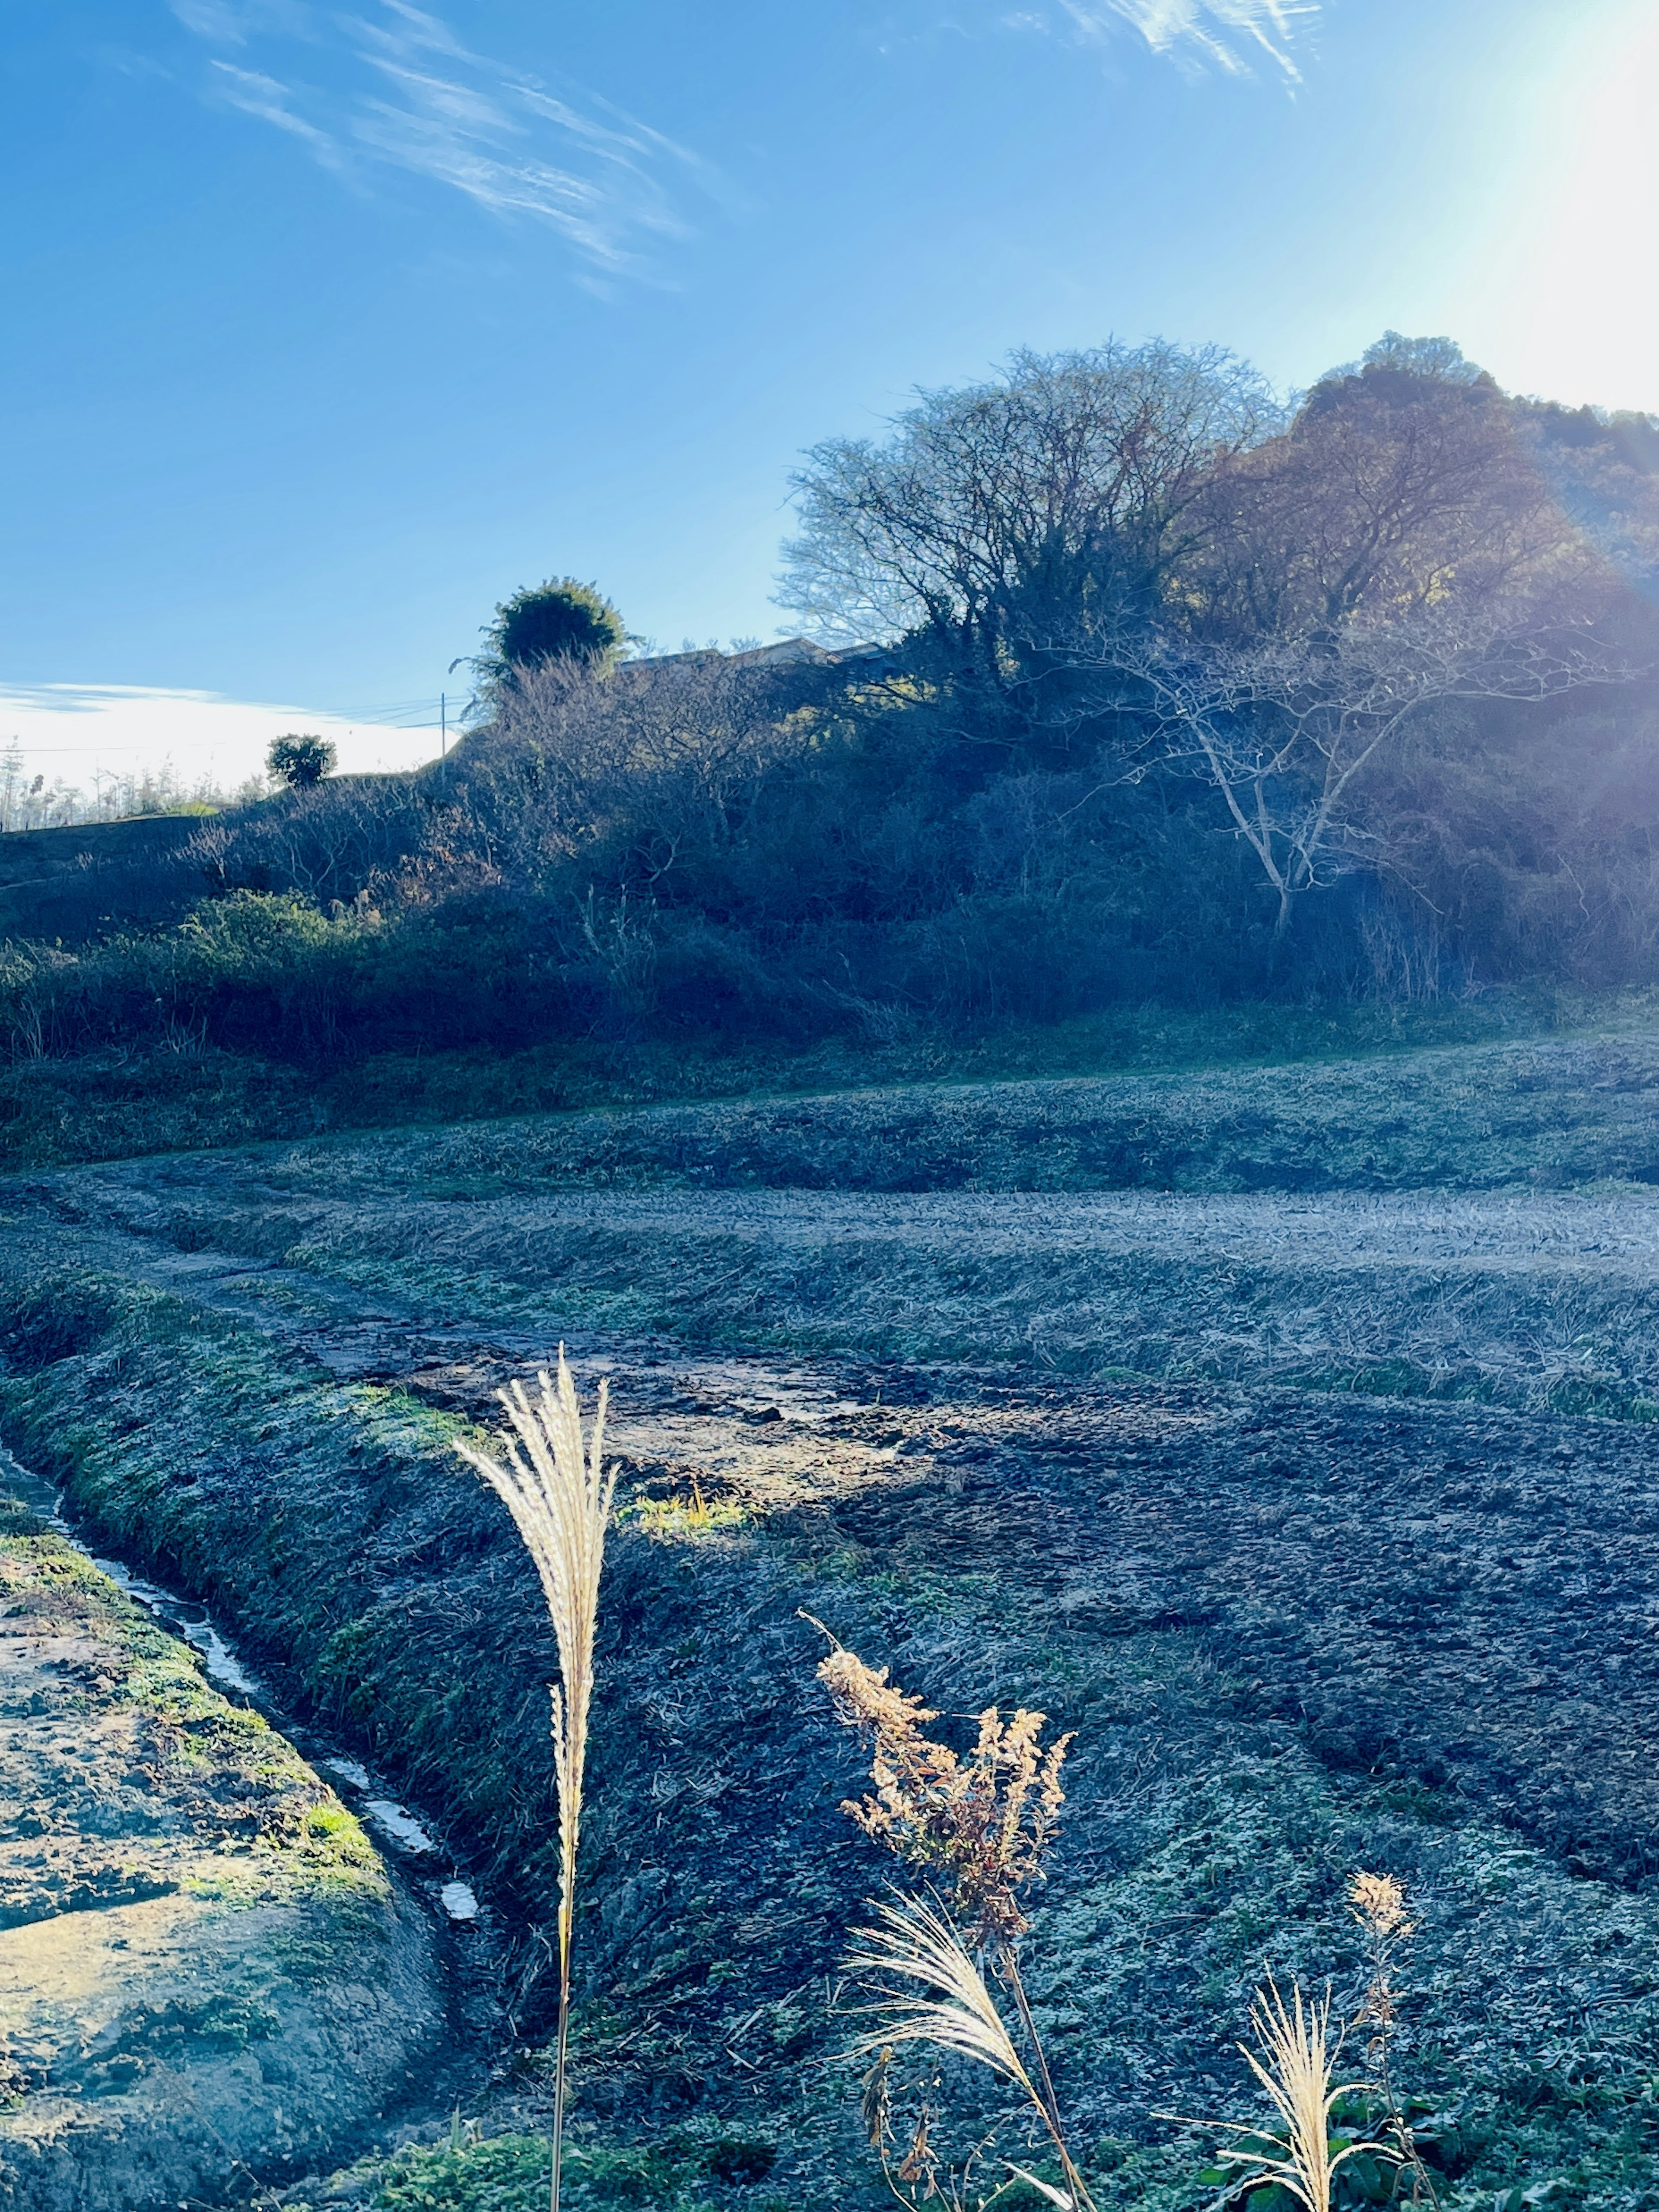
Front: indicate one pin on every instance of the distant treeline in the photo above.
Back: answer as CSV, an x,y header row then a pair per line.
x,y
27,801
1178,696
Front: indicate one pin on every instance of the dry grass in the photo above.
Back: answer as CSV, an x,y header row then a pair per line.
x,y
1293,2062
914,1944
981,1825
932,1990
552,1481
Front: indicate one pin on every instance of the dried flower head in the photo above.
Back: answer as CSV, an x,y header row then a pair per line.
x,y
980,1824
918,2167
1378,1903
552,1478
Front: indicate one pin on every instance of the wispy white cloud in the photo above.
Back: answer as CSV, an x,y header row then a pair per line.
x,y
399,90
79,733
234,22
1233,36
1228,34
272,103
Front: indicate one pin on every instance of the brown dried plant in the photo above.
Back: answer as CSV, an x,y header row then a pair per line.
x,y
932,1990
1294,2061
979,1825
1378,1903
978,1828
553,1482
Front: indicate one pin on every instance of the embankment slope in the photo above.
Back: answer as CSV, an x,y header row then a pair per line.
x,y
204,1971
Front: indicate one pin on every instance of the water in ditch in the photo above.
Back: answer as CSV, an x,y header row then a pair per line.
x,y
407,1837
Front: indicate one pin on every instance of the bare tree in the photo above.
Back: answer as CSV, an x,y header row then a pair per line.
x,y
1397,549
1395,491
664,754
329,839
1073,477
1283,729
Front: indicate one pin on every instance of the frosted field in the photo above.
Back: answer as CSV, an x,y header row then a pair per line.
x,y
1526,1298
976,1375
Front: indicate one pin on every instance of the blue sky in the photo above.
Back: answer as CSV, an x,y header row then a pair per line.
x,y
329,326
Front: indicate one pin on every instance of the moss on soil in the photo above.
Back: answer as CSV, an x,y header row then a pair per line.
x,y
283,1835
202,1966
508,2172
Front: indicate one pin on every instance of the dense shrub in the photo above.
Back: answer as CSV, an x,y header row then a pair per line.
x,y
300,760
846,868
547,624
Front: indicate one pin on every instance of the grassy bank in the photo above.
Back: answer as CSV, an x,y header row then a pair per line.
x,y
183,1094
204,1969
1550,1114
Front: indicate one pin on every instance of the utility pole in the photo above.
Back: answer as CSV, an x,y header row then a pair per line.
x,y
443,704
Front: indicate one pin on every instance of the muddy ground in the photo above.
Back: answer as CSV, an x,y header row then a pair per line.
x,y
1479,1224
1297,1632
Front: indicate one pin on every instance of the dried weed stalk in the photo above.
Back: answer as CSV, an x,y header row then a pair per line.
x,y
553,1482
1378,1903
978,1828
932,1990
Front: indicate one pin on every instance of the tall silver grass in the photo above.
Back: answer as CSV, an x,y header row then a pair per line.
x,y
1293,2062
933,1991
553,1482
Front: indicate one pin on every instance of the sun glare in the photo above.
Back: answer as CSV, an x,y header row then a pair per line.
x,y
1565,307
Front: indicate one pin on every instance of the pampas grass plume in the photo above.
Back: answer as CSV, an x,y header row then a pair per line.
x,y
552,1481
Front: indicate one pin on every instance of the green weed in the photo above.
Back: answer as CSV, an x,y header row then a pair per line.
x,y
509,2173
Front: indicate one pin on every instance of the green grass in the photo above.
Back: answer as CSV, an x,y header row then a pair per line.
x,y
309,1847
469,2172
127,1102
508,2174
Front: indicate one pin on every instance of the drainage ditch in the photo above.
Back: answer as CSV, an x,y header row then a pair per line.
x,y
409,1840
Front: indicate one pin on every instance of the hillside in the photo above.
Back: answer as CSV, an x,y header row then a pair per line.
x,y
74,883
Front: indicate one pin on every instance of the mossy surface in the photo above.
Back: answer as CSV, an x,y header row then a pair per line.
x,y
509,2173
262,1828
202,1966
